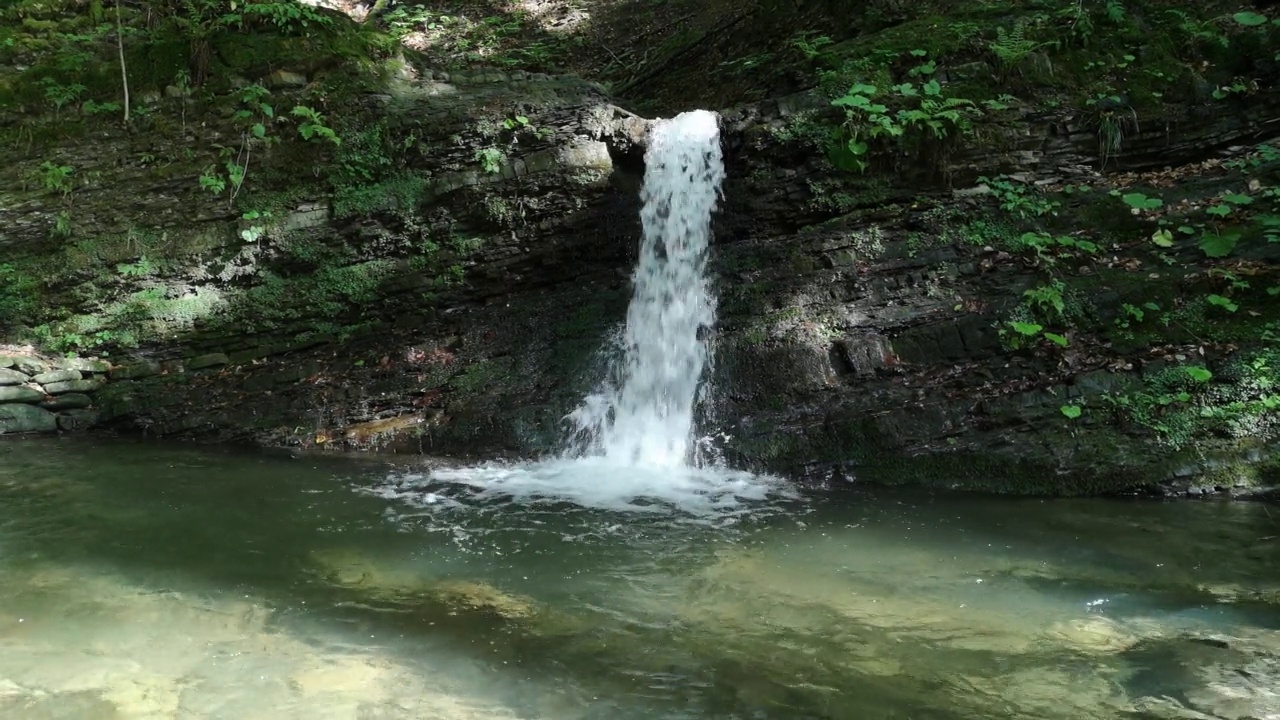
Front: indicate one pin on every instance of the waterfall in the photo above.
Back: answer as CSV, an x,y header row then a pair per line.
x,y
645,415
633,447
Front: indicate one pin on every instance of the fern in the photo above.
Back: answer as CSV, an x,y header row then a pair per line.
x,y
1116,12
1013,46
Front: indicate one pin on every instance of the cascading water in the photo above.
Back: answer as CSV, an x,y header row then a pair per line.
x,y
647,417
634,448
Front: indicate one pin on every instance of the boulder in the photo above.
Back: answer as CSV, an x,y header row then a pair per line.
x,y
68,401
20,394
30,365
84,365
285,79
77,419
207,361
134,371
13,377
26,418
56,376
78,386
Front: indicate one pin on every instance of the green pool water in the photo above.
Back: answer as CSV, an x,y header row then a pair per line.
x,y
160,581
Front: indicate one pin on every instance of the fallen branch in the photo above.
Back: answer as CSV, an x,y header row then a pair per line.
x,y
124,72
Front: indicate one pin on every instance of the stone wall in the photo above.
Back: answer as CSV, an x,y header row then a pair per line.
x,y
41,395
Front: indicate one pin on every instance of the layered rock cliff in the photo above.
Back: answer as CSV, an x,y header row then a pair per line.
x,y
1024,289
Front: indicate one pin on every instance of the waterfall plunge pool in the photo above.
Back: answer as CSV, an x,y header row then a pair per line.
x,y
141,581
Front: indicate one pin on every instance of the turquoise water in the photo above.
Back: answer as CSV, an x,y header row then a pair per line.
x,y
141,581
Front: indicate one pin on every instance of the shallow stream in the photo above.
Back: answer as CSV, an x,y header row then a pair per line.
x,y
141,581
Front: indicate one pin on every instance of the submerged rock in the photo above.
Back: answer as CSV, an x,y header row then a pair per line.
x,y
470,595
406,586
1092,635
1224,677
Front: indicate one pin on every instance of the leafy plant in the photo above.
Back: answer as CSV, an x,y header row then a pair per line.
x,y
142,268
1270,227
1012,46
1114,117
1017,332
1047,300
490,160
1217,245
1250,19
312,125
1017,198
1071,412
59,95
1140,202
1222,302
811,48
96,108
211,181
1198,373
18,297
56,177
868,118
517,122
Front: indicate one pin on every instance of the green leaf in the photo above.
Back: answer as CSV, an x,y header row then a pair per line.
x,y
1219,210
1025,328
1162,238
1217,245
1071,411
919,53
259,130
1222,302
1250,19
1273,290
522,119
1056,339
932,88
1198,373
1238,199
1141,202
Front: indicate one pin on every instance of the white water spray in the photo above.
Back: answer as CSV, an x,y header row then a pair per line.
x,y
647,418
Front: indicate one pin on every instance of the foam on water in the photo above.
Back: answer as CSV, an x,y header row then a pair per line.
x,y
633,445
597,483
